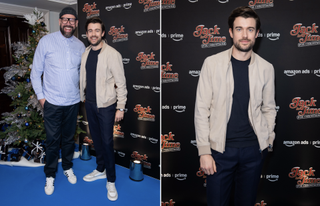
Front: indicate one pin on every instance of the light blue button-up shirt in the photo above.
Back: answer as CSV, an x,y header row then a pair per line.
x,y
58,58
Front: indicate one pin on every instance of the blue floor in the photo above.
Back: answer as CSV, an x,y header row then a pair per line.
x,y
25,186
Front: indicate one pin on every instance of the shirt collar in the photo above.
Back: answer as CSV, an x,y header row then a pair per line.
x,y
64,38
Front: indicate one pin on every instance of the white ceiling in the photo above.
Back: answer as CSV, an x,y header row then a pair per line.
x,y
41,4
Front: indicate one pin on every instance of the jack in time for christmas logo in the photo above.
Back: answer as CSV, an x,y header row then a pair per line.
x,y
305,178
169,203
117,131
307,35
167,145
262,203
150,5
303,106
261,4
211,36
118,34
142,158
168,4
201,173
147,61
166,75
89,9
144,113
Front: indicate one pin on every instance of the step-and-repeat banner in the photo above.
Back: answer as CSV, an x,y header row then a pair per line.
x,y
195,29
132,28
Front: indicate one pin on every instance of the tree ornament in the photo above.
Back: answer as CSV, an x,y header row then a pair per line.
x,y
27,124
43,24
13,78
26,140
19,116
28,80
33,31
19,95
26,108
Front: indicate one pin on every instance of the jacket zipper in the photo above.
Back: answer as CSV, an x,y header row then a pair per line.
x,y
250,120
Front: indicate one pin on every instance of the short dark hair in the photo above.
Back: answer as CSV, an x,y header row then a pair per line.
x,y
245,12
95,20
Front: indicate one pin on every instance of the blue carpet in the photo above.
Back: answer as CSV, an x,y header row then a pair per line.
x,y
25,186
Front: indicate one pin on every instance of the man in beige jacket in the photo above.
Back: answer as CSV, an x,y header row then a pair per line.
x,y
235,114
103,88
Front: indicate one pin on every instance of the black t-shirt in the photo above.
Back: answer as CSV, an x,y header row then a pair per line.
x,y
239,130
91,68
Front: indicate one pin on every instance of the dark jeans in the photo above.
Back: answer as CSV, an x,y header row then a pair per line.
x,y
239,166
101,121
60,123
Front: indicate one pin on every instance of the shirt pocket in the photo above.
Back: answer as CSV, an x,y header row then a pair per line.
x,y
54,59
76,58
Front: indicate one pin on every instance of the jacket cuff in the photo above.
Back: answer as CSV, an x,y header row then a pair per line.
x,y
120,106
271,138
203,150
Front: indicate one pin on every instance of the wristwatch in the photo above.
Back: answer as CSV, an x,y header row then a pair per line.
x,y
121,110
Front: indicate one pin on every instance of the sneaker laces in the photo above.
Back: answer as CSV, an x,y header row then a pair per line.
x,y
50,181
69,173
111,187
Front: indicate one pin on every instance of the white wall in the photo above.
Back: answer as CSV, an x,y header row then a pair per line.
x,y
22,10
54,21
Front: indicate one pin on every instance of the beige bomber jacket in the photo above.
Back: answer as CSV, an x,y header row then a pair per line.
x,y
110,72
214,101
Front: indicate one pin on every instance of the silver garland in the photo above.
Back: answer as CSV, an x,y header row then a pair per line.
x,y
20,49
12,119
12,137
9,88
35,104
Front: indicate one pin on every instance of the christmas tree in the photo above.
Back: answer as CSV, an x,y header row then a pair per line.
x,y
25,122
24,126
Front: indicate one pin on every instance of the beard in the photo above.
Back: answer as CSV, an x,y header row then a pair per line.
x,y
97,43
67,34
238,46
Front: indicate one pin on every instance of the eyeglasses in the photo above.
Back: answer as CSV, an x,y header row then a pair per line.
x,y
71,20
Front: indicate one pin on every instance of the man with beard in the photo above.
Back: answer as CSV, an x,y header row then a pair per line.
x,y
103,89
58,57
235,114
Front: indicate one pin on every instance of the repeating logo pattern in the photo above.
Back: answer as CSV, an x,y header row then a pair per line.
x,y
144,113
147,60
261,4
150,5
167,144
91,10
210,36
118,34
118,6
304,108
307,35
305,178
143,158
167,75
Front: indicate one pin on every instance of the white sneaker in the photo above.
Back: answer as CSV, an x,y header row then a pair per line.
x,y
112,191
95,175
49,188
70,175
